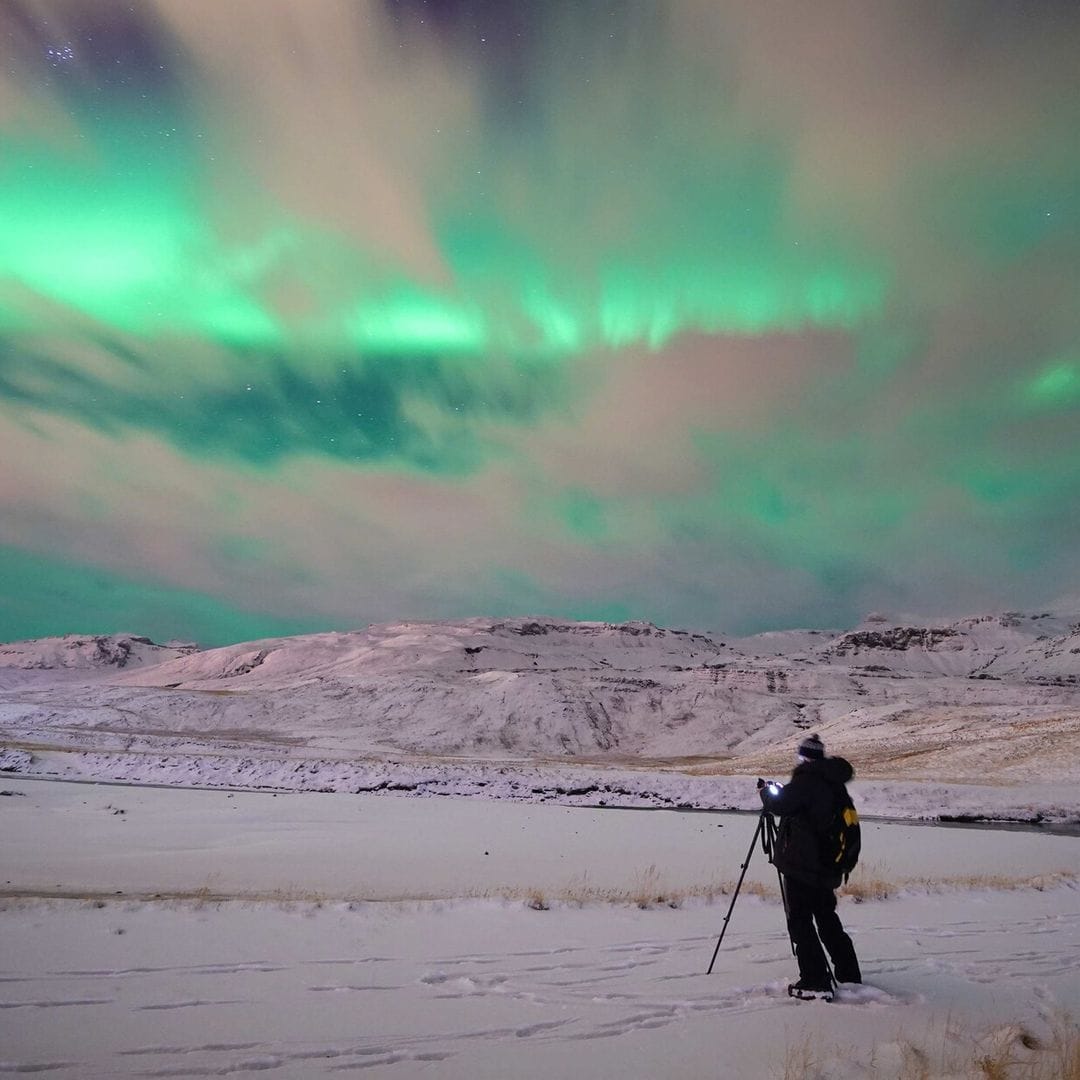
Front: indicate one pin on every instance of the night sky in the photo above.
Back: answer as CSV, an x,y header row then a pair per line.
x,y
316,313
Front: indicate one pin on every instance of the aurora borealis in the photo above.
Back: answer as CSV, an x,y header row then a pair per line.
x,y
315,313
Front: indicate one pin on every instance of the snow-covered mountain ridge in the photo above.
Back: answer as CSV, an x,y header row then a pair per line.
x,y
988,696
1043,646
81,652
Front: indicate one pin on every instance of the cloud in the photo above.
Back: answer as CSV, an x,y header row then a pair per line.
x,y
719,314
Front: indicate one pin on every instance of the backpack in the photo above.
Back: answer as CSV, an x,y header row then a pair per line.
x,y
843,841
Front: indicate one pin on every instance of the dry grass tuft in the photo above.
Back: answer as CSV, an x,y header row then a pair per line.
x,y
536,899
801,1060
649,891
867,886
1009,1052
758,889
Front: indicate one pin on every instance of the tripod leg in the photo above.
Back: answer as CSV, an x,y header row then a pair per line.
x,y
735,895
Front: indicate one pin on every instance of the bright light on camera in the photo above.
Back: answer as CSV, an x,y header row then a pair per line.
x,y
774,789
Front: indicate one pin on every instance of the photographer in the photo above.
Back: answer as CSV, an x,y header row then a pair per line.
x,y
806,806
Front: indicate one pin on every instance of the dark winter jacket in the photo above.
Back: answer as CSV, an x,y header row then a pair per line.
x,y
805,806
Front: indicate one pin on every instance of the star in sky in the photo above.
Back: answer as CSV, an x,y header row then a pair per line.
x,y
60,54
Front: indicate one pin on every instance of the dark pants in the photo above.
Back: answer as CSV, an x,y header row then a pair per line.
x,y
808,904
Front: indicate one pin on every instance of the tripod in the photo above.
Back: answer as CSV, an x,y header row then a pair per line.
x,y
766,829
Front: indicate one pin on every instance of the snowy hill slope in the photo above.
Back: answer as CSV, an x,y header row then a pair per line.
x,y
471,645
89,653
954,698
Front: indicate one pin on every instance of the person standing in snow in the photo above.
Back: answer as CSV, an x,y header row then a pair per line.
x,y
805,806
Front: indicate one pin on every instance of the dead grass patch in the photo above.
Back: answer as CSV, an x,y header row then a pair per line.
x,y
867,887
646,890
869,883
1015,1051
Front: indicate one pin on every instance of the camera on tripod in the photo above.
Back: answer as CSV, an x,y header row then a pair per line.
x,y
766,831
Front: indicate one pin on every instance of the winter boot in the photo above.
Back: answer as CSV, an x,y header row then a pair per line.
x,y
807,990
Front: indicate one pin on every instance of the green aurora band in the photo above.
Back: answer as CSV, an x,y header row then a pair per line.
x,y
152,283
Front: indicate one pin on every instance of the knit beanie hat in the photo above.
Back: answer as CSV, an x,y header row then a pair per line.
x,y
812,748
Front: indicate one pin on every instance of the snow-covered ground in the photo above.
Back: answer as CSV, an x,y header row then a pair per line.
x,y
531,957
567,783
277,907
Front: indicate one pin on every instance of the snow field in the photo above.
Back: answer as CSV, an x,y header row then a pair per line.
x,y
88,839
487,989
124,986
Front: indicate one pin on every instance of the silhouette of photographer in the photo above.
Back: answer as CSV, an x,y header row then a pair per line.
x,y
807,806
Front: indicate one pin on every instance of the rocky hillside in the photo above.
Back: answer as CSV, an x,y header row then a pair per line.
x,y
1041,647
